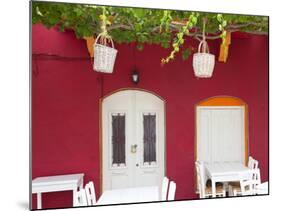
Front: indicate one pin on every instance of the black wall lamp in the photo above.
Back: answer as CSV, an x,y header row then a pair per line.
x,y
135,76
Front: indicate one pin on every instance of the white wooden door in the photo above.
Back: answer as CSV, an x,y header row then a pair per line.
x,y
133,140
221,133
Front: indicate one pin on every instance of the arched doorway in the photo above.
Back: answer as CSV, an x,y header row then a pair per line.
x,y
133,139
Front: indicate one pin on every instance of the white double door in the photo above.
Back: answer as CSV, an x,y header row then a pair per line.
x,y
133,140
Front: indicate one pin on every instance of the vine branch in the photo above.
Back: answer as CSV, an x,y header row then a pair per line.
x,y
197,34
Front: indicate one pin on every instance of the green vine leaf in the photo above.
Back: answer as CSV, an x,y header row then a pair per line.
x,y
186,53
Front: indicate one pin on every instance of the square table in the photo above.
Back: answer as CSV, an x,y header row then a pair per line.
x,y
226,172
56,183
130,195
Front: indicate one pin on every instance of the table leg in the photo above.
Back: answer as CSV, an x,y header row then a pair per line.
x,y
213,188
81,184
39,201
74,199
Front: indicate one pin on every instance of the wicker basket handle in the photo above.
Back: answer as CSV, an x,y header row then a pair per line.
x,y
109,38
205,47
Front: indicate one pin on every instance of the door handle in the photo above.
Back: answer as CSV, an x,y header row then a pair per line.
x,y
134,148
137,165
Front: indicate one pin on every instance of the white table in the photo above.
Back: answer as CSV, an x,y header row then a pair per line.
x,y
226,172
129,195
56,183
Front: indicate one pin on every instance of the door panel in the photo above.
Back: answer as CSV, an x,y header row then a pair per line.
x,y
116,176
150,173
133,140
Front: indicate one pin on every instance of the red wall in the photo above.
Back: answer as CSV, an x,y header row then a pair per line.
x,y
65,104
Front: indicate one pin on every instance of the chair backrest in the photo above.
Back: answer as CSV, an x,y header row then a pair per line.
x,y
80,198
256,178
172,191
246,187
164,190
90,193
255,164
255,172
201,178
252,163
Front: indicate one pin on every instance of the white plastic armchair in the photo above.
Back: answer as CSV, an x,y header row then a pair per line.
x,y
204,190
90,193
172,191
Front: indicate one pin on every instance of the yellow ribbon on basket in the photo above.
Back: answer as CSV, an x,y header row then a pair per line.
x,y
224,48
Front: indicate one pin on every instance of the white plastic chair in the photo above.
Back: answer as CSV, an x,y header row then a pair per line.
x,y
90,193
253,165
80,198
247,187
172,191
164,190
204,191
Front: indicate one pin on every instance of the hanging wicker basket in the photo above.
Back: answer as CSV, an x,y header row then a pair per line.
x,y
104,56
203,61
